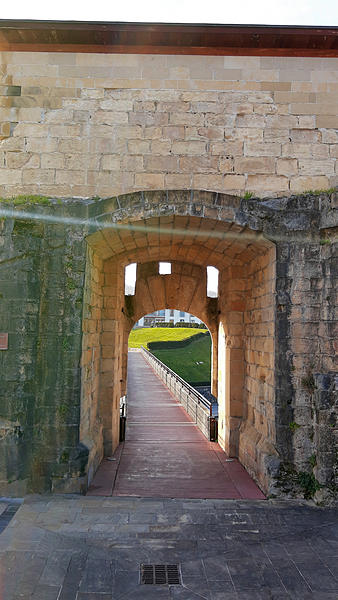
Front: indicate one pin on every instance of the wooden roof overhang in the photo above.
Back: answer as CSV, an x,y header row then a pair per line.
x,y
168,38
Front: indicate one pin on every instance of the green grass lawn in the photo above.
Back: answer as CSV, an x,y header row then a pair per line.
x,y
181,360
184,360
141,337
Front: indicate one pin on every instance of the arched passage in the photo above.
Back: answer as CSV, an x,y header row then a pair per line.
x,y
244,309
184,289
171,335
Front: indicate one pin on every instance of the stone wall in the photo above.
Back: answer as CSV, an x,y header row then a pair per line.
x,y
114,340
310,282
56,255
41,278
247,360
80,127
85,125
258,430
91,422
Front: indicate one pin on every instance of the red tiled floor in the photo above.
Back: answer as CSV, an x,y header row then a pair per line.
x,y
164,454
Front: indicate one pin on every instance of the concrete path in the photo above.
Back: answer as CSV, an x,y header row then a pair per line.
x,y
165,455
83,548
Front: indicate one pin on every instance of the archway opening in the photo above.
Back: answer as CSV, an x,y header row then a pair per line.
x,y
244,309
178,339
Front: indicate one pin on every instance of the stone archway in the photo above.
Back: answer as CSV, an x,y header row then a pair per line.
x,y
70,289
184,289
147,228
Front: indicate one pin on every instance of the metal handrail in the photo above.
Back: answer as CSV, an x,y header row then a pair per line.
x,y
199,399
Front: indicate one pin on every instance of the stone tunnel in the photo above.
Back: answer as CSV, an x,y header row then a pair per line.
x,y
272,336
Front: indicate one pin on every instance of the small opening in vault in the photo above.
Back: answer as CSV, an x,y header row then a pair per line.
x,y
164,268
130,279
212,282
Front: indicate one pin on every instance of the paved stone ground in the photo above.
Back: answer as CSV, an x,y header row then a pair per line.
x,y
8,508
165,455
87,548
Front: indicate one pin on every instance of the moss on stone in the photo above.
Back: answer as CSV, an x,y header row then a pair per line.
x,y
64,458
32,228
318,192
63,411
308,483
71,285
19,200
308,382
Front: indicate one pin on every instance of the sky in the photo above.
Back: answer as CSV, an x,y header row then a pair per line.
x,y
258,12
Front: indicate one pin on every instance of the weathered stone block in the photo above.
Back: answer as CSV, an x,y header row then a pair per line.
x,y
254,165
198,164
8,176
302,136
316,167
262,149
149,181
159,163
163,148
178,181
111,162
267,183
301,184
286,166
192,147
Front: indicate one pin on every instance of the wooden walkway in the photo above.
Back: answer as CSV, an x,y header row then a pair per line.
x,y
165,455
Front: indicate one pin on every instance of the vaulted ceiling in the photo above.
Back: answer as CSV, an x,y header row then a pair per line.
x,y
196,240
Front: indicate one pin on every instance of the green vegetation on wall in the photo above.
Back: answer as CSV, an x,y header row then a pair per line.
x,y
42,266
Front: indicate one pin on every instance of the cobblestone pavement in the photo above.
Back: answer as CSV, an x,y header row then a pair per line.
x,y
90,548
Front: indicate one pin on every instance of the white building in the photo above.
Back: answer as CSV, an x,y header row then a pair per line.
x,y
167,315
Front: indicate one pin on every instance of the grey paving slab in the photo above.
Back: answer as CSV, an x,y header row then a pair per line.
x,y
147,592
223,595
46,592
186,593
74,575
3,507
93,596
293,580
97,576
75,548
8,509
56,567
28,577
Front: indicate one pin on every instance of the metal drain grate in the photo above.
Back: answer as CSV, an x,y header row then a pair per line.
x,y
160,575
